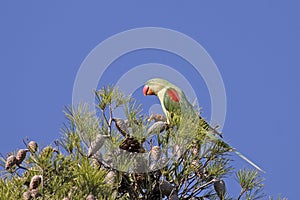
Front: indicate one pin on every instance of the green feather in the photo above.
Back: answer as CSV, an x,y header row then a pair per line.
x,y
175,108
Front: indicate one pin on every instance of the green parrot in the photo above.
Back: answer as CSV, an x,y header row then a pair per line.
x,y
174,102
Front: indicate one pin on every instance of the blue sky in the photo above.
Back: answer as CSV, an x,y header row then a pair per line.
x,y
255,45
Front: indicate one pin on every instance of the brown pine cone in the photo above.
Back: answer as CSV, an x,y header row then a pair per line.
x,y
10,162
165,187
122,126
220,188
35,193
27,195
21,155
32,146
90,197
110,178
35,182
97,144
132,145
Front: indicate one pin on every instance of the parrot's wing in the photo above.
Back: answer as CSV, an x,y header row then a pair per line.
x,y
171,100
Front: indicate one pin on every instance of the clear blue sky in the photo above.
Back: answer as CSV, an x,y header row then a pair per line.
x,y
255,45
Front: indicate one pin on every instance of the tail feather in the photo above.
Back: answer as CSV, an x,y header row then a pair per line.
x,y
248,161
225,144
210,129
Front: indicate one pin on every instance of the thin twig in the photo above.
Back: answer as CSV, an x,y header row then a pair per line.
x,y
242,193
205,185
186,188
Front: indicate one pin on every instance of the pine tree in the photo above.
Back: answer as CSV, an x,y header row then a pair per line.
x,y
81,164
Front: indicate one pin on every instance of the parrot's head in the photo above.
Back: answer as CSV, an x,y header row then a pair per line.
x,y
153,86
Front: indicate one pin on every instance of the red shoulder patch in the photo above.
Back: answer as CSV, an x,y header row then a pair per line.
x,y
173,95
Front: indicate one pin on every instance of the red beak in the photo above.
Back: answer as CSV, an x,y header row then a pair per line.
x,y
147,91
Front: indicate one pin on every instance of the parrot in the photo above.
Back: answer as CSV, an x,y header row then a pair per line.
x,y
173,101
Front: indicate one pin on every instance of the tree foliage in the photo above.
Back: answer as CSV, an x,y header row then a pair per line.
x,y
82,165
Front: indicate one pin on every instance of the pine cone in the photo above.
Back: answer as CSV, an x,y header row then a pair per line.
x,y
27,195
90,197
21,155
35,193
132,145
220,188
96,144
35,182
165,187
110,178
122,126
32,146
10,162
155,152
157,127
